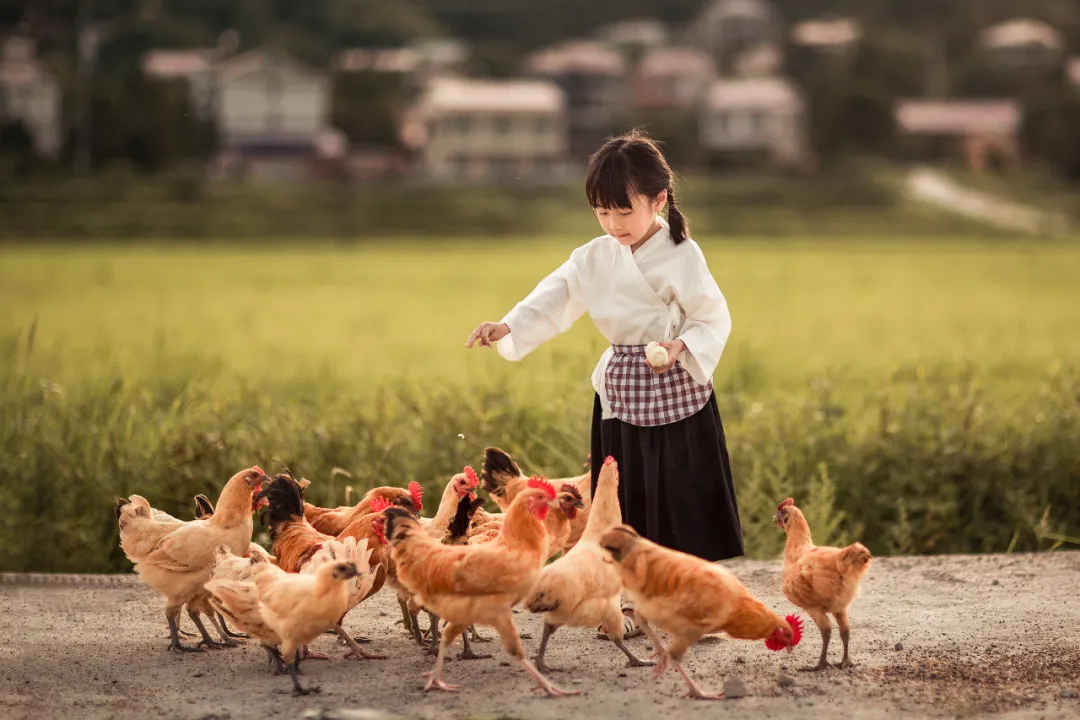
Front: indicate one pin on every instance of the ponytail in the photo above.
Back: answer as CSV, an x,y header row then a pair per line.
x,y
676,220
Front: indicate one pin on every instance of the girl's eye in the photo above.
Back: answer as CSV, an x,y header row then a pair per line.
x,y
628,212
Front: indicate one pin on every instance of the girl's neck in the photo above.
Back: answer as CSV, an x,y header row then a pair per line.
x,y
652,231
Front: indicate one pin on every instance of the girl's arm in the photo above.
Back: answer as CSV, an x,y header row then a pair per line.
x,y
708,322
547,311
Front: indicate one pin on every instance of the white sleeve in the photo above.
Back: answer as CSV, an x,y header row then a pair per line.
x,y
708,321
549,310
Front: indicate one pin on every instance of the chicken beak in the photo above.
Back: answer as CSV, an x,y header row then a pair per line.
x,y
579,504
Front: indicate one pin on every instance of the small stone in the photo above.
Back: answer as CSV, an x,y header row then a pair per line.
x,y
996,582
1069,693
198,674
622,675
899,647
740,660
504,664
785,681
734,688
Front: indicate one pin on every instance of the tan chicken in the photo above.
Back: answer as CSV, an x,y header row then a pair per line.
x,y
467,584
460,488
583,588
822,581
179,563
689,598
333,521
500,474
298,545
559,525
292,608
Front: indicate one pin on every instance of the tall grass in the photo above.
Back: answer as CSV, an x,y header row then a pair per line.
x,y
927,467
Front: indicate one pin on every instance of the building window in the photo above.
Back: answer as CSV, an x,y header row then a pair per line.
x,y
462,125
502,125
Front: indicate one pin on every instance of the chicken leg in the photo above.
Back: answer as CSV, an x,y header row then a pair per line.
x,y
226,632
207,640
294,667
845,635
674,654
549,630
508,632
355,651
172,615
435,681
617,633
467,653
825,627
433,645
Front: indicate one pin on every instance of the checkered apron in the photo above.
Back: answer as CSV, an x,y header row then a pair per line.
x,y
639,396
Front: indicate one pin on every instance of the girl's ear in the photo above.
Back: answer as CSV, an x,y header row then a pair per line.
x,y
661,198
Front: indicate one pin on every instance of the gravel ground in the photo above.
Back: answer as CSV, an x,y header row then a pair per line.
x,y
933,636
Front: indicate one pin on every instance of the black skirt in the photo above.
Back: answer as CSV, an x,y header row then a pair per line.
x,y
675,484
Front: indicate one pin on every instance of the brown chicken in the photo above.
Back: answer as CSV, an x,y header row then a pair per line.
x,y
467,584
689,598
333,521
499,473
296,544
822,581
583,588
179,563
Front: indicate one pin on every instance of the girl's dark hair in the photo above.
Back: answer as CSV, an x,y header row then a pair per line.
x,y
632,164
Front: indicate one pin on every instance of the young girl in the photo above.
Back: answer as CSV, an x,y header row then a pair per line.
x,y
644,280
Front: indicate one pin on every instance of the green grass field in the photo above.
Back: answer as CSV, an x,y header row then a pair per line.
x,y
921,396
800,309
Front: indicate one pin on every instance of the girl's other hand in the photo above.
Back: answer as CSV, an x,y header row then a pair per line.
x,y
673,347
487,334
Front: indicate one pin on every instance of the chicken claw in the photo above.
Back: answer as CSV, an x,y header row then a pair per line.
x,y
435,683
695,692
355,651
176,645
309,655
467,653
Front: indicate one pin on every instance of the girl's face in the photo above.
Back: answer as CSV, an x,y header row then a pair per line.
x,y
632,225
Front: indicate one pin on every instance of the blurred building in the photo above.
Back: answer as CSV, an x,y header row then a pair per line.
x,y
420,60
634,37
673,77
729,29
978,131
755,117
195,67
596,81
827,33
273,118
1022,43
488,130
31,95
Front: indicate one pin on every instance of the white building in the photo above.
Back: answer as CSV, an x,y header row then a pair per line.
x,y
196,67
827,33
489,130
1022,42
728,29
30,94
673,77
755,115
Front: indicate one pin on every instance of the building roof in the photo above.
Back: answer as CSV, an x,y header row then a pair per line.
x,y
677,61
760,92
450,94
176,63
403,60
958,117
577,56
642,31
1072,69
253,60
738,8
826,32
1019,32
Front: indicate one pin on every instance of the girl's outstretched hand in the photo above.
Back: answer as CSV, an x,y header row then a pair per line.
x,y
487,334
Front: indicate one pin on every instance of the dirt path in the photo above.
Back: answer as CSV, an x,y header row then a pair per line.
x,y
943,636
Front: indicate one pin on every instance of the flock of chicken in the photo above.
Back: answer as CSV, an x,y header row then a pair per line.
x,y
556,548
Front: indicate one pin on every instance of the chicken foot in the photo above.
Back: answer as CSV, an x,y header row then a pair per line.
x,y
508,633
617,636
226,640
435,681
541,666
674,654
207,640
274,661
355,651
825,628
294,668
226,632
433,646
172,614
467,653
476,636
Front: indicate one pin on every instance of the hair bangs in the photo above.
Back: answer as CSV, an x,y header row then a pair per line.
x,y
610,184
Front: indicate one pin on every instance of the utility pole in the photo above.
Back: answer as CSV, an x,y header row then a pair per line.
x,y
86,46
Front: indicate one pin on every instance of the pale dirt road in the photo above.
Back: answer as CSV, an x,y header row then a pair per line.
x,y
980,636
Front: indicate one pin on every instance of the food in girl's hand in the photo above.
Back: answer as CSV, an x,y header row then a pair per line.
x,y
656,354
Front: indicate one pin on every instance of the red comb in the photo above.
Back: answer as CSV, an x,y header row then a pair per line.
x,y
417,493
540,483
470,475
379,504
257,469
787,502
609,461
796,628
